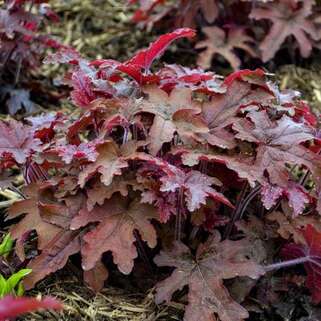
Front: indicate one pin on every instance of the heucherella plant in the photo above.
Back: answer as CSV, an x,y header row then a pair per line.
x,y
176,159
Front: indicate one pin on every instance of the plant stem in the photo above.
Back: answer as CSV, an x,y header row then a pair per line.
x,y
179,218
288,263
241,207
237,206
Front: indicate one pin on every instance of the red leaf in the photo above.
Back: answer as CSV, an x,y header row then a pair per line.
x,y
295,194
175,76
220,111
82,95
287,19
53,257
96,277
108,164
302,110
176,112
135,72
118,220
11,307
63,55
91,118
270,195
87,151
144,58
204,275
195,185
252,76
218,42
146,6
17,140
312,252
45,121
279,143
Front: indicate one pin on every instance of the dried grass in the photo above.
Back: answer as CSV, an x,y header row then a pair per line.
x,y
97,29
307,81
111,304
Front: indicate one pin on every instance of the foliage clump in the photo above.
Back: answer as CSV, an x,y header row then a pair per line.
x,y
179,159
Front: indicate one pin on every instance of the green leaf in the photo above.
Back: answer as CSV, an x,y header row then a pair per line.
x,y
14,279
6,245
20,290
3,286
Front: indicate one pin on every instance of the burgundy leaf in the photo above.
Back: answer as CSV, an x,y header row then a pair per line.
x,y
288,19
219,112
17,140
32,207
87,151
96,277
108,164
115,232
64,55
218,42
278,145
82,94
311,251
166,204
53,257
243,166
270,195
204,275
176,112
195,185
100,192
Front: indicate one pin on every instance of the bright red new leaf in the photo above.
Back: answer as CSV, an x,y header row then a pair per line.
x,y
144,58
11,307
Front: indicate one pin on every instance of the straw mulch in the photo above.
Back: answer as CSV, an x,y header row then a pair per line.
x,y
111,303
